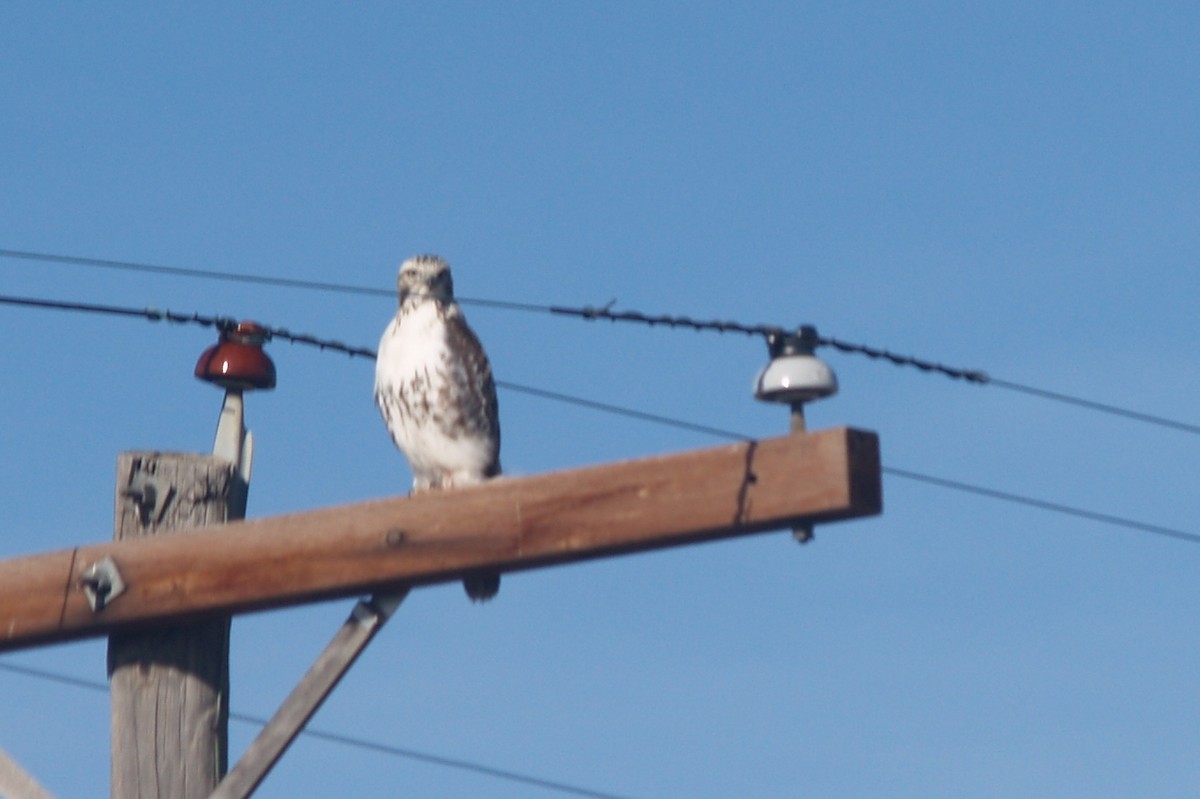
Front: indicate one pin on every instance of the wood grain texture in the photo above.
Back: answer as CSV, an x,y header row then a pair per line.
x,y
505,524
365,621
170,686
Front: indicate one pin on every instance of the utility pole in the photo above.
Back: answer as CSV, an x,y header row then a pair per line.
x,y
170,686
166,600
505,525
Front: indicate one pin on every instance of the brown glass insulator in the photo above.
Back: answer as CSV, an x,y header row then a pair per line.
x,y
237,360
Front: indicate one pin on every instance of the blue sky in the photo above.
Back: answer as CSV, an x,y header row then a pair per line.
x,y
1010,187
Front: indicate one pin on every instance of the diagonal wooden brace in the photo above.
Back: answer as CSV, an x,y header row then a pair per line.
x,y
367,618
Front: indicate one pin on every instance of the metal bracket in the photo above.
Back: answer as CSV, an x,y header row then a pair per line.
x,y
102,583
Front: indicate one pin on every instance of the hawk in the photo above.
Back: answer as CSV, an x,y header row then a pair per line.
x,y
434,389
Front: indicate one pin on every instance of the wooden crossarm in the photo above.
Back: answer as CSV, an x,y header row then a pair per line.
x,y
505,525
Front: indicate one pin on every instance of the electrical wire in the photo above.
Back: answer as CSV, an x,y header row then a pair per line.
x,y
1096,406
225,323
619,410
351,741
236,277
591,313
228,323
326,344
906,474
1041,504
152,314
204,274
450,762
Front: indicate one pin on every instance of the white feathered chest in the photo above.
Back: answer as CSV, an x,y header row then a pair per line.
x,y
434,388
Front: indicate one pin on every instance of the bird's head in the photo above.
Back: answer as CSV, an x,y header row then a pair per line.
x,y
425,277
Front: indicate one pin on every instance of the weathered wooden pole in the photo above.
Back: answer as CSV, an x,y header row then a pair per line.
x,y
170,686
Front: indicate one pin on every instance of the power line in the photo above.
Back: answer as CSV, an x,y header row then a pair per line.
x,y
325,344
976,376
203,274
351,741
152,314
968,375
906,474
449,762
76,682
1096,406
228,323
619,410
237,277
224,323
606,312
1041,504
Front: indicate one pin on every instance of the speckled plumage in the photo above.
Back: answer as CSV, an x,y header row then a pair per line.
x,y
434,388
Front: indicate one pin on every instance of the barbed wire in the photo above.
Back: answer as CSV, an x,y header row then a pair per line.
x,y
593,313
587,312
225,322
222,323
152,314
969,375
975,376
319,343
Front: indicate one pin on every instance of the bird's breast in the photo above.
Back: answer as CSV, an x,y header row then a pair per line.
x,y
410,344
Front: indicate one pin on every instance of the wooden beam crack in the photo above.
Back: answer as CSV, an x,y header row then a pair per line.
x,y
502,525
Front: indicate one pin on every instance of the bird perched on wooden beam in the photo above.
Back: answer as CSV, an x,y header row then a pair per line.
x,y
435,391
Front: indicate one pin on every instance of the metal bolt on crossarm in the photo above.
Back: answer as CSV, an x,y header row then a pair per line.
x,y
795,376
